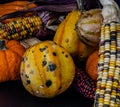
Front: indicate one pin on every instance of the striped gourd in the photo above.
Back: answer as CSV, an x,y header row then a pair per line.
x,y
88,27
20,28
108,84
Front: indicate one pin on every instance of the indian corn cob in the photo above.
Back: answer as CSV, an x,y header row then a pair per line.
x,y
20,28
108,82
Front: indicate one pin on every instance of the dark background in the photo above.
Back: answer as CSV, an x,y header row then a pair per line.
x,y
13,94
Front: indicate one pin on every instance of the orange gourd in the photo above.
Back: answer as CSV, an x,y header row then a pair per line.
x,y
91,65
10,58
10,7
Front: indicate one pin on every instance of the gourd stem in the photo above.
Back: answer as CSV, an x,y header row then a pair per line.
x,y
2,45
80,5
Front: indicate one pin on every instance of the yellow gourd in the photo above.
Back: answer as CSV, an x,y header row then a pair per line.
x,y
66,35
47,69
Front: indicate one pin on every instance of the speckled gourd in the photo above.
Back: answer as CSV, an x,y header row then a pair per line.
x,y
66,35
47,69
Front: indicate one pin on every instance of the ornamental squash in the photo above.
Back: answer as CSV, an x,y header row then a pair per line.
x,y
47,69
88,27
10,58
66,36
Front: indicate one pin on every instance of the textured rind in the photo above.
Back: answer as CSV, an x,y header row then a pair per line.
x,y
47,69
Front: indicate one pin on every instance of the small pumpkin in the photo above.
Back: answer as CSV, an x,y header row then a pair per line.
x,y
13,6
10,58
92,65
47,69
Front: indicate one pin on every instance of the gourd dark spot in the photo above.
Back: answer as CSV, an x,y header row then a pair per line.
x,y
32,51
26,76
22,59
42,49
44,55
44,63
28,82
48,83
59,87
51,67
54,53
66,55
60,45
62,52
55,43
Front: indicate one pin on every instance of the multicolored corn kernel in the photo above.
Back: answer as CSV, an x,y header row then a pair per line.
x,y
108,84
20,28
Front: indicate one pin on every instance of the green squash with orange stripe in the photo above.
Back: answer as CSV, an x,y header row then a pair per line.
x,y
47,69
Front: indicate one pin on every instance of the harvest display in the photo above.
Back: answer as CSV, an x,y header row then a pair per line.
x,y
53,45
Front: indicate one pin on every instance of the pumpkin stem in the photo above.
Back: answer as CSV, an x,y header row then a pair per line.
x,y
2,44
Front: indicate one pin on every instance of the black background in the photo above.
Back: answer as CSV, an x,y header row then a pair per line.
x,y
13,94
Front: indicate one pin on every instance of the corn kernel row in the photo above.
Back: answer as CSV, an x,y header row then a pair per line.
x,y
20,28
108,82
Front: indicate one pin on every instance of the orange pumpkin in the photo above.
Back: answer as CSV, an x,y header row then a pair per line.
x,y
10,58
10,7
91,65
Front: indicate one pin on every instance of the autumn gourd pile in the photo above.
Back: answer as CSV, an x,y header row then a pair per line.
x,y
49,66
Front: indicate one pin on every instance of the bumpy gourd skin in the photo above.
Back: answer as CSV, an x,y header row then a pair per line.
x,y
47,69
66,35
